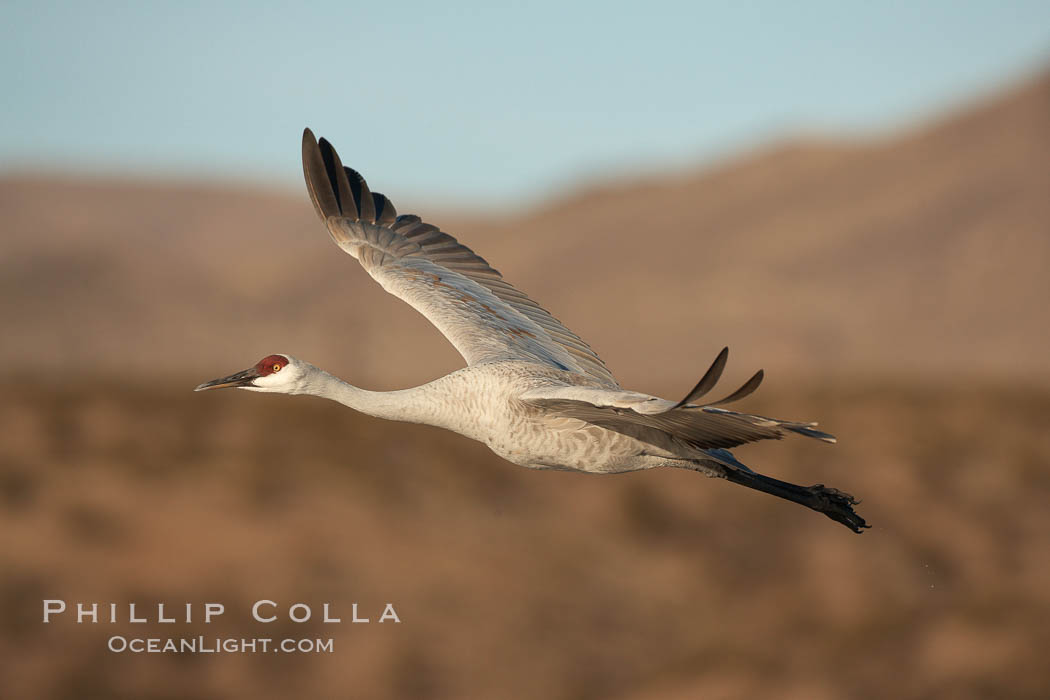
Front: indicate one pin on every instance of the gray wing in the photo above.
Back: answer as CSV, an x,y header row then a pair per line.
x,y
668,424
484,317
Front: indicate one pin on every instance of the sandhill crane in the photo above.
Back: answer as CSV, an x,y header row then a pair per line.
x,y
532,390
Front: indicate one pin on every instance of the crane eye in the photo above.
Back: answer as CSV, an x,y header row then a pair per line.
x,y
276,368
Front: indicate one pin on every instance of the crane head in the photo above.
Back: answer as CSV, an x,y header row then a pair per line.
x,y
273,373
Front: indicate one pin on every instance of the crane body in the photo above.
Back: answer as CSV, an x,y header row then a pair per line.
x,y
532,391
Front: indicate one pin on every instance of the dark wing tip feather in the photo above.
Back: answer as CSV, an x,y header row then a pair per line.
x,y
355,182
749,388
318,184
366,207
385,212
338,180
708,381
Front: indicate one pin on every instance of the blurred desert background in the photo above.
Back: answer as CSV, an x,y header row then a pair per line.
x,y
893,287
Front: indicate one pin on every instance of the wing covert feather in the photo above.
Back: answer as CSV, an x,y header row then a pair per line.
x,y
663,423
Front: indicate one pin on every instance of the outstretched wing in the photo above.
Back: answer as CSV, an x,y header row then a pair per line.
x,y
667,424
484,317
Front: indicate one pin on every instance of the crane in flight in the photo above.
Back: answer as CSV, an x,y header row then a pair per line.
x,y
532,390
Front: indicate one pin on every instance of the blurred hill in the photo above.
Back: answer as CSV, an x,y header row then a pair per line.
x,y
919,252
513,583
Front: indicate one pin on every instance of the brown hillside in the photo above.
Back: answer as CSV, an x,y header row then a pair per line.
x,y
514,583
923,252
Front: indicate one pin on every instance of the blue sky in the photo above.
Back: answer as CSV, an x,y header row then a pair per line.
x,y
491,103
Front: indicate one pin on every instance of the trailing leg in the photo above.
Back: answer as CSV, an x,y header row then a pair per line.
x,y
837,505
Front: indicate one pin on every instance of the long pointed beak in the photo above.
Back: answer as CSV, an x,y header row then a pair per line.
x,y
242,378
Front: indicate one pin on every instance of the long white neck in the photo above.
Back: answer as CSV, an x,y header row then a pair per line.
x,y
409,405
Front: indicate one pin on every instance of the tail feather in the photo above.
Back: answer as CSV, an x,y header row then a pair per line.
x,y
837,505
809,431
